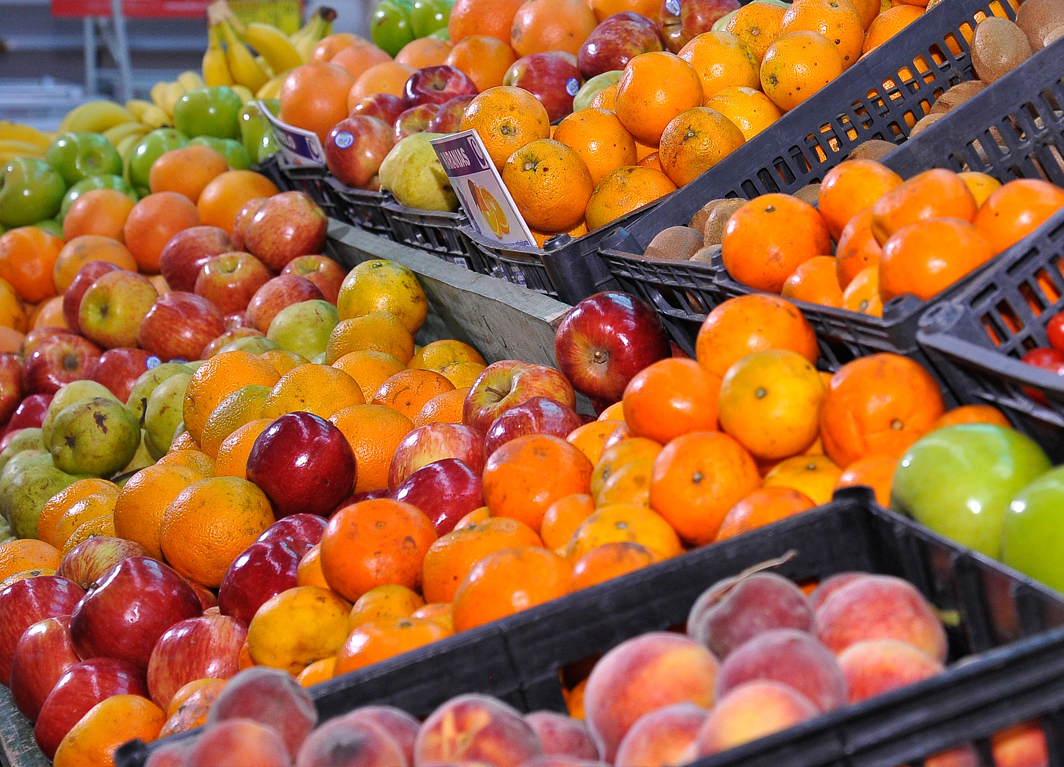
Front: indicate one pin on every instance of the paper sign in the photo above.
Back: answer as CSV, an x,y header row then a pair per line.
x,y
484,197
298,146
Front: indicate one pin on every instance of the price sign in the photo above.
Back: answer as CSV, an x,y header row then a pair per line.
x,y
298,146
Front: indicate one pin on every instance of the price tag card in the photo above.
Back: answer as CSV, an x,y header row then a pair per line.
x,y
484,197
298,146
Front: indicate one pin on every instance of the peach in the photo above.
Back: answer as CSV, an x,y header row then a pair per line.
x,y
732,611
343,743
1022,745
642,675
476,728
879,665
749,712
661,737
270,696
239,743
561,734
171,754
880,607
396,722
830,585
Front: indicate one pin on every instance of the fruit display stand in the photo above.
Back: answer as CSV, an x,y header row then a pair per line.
x,y
433,231
1012,627
17,747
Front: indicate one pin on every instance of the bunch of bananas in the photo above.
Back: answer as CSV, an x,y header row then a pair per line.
x,y
18,140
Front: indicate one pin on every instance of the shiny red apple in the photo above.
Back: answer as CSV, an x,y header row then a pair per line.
x,y
539,415
25,602
186,253
507,383
322,271
356,147
286,226
59,359
243,217
263,570
86,275
616,41
416,119
230,280
118,369
42,656
90,560
226,338
383,106
29,414
445,491
681,21
550,77
207,647
434,442
283,290
10,385
437,85
297,528
449,118
179,326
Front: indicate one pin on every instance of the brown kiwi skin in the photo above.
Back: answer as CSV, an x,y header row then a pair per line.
x,y
713,233
809,193
924,123
1039,19
698,221
956,96
874,149
677,243
998,47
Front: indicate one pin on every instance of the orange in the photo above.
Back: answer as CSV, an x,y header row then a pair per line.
x,y
972,414
27,261
222,199
770,403
314,97
610,560
624,190
139,509
88,247
878,404
874,471
383,286
1017,209
790,230
889,23
98,211
443,408
542,26
186,171
462,374
89,507
762,507
370,368
857,248
438,354
926,257
309,573
605,98
384,602
10,339
549,183
209,523
598,137
374,543
376,331
750,110
493,18
757,25
216,379
450,558
387,77
628,484
507,582
652,160
97,526
319,389
695,141
106,726
671,397
815,281
480,514
980,185
56,506
935,193
192,711
615,457
436,612
722,60
485,59
590,439
852,186
378,640
317,672
152,222
185,692
233,453
655,88
48,314
524,476
330,45
563,517
862,294
614,412
240,407
12,314
815,476
419,53
623,523
27,554
374,432
837,20
296,627
605,8
507,119
798,65
410,390
191,459
356,59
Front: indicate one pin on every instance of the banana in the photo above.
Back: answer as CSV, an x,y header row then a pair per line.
x,y
244,94
310,34
172,93
241,63
26,133
155,118
264,64
136,107
125,148
273,46
272,89
191,80
20,148
119,132
95,117
215,66
157,92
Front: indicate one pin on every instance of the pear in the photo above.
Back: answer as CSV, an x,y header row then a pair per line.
x,y
141,459
26,439
590,89
96,436
304,327
413,173
68,395
164,412
143,386
255,345
24,493
12,468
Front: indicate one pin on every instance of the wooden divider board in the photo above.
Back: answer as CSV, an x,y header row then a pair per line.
x,y
17,747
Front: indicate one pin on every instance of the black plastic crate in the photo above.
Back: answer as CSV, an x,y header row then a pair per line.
x,y
520,659
309,179
270,168
360,207
433,231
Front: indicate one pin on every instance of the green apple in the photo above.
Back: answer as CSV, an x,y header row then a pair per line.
x,y
210,111
149,149
236,156
255,345
413,173
959,481
31,190
146,383
590,89
390,26
429,16
51,226
165,410
96,436
304,327
26,491
68,394
1034,530
79,155
25,439
93,182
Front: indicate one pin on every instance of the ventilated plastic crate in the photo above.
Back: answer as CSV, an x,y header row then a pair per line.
x,y
360,207
309,179
433,231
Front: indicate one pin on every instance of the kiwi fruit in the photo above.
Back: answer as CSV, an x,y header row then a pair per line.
x,y
698,221
1038,19
705,255
873,149
677,243
998,47
718,218
956,96
809,193
925,122
1055,34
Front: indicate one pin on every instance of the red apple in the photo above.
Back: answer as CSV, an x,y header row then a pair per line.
x,y
616,41
383,106
230,280
179,325
539,415
508,383
551,78
206,597
356,147
322,271
25,602
114,306
118,369
77,691
227,338
90,560
86,275
207,647
243,216
434,442
137,600
437,85
275,295
37,336
186,253
286,226
59,359
42,656
263,570
303,463
1048,359
449,118
29,414
10,385
683,20
237,320
296,529
605,340
445,491
416,119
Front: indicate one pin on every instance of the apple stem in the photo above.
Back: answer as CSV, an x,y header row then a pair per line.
x,y
600,357
496,392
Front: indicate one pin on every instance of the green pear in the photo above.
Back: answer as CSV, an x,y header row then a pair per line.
x,y
68,395
166,407
193,365
27,490
141,459
6,533
96,436
26,439
255,345
142,388
13,467
413,173
304,327
591,88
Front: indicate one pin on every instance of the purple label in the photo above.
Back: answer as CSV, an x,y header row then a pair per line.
x,y
461,156
344,140
673,7
573,86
